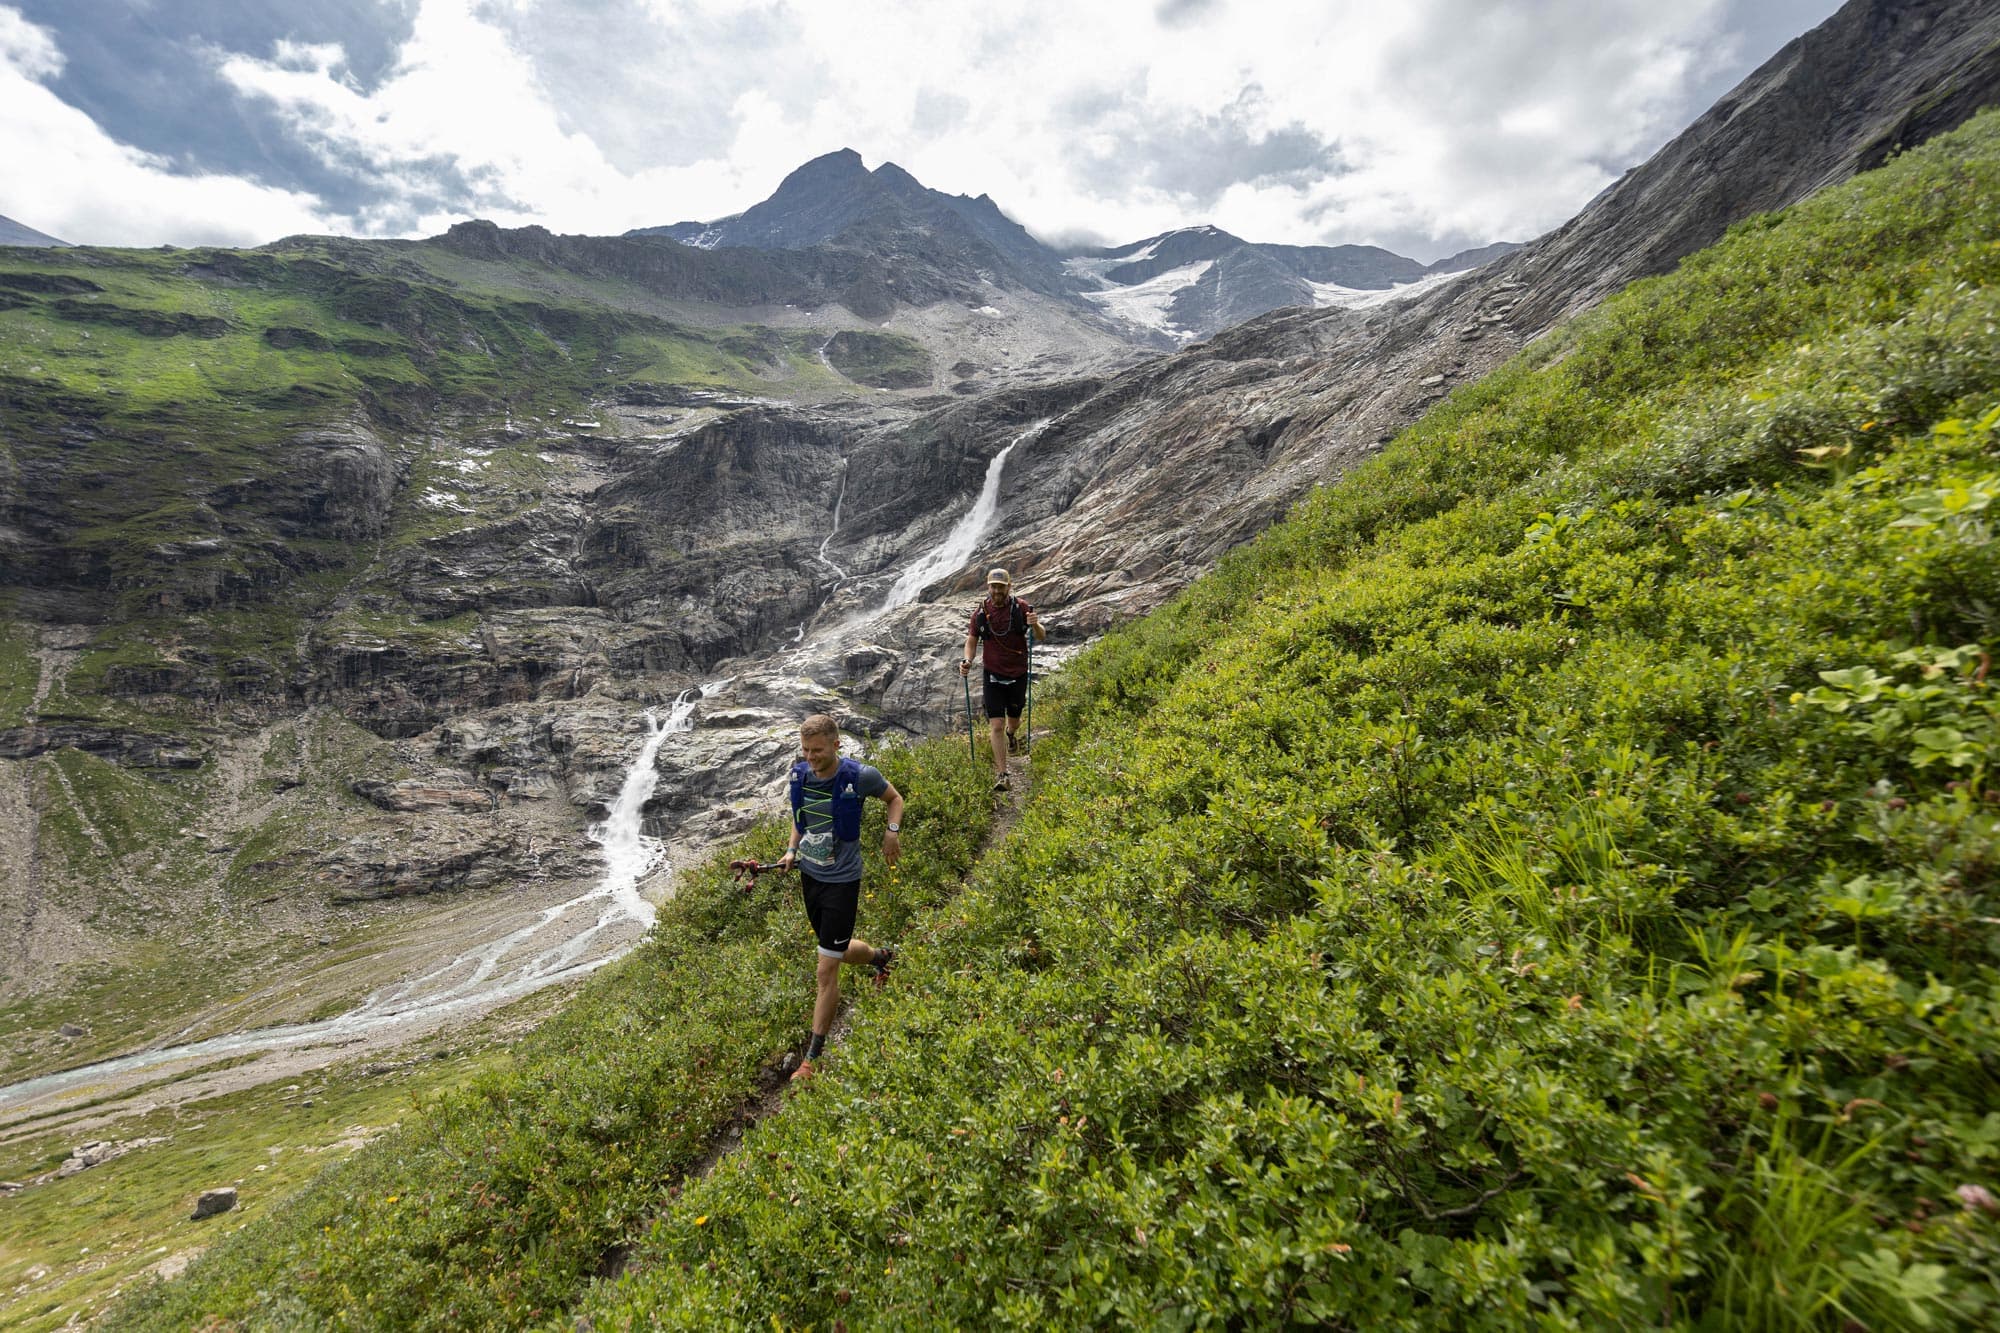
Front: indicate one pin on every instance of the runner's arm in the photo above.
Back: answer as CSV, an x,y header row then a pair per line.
x,y
892,842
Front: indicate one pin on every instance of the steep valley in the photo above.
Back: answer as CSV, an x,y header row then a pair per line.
x,y
342,583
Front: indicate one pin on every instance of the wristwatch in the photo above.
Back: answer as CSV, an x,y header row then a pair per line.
x,y
895,828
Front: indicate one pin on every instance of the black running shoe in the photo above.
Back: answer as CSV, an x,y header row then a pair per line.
x,y
883,961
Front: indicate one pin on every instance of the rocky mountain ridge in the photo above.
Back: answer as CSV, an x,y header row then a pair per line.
x,y
835,198
1164,291
15,233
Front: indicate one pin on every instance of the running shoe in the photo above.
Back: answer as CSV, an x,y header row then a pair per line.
x,y
804,1073
885,959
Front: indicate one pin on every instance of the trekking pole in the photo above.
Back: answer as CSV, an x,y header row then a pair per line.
x,y
1028,723
972,746
745,872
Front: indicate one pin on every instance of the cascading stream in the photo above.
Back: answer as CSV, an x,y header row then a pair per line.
x,y
963,539
839,499
552,947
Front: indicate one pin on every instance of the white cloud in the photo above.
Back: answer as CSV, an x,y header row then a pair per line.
x,y
465,102
26,47
1425,126
67,178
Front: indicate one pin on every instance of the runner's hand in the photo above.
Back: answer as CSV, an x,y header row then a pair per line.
x,y
785,861
892,847
964,668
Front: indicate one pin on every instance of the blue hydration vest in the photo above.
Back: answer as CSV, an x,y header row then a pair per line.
x,y
846,798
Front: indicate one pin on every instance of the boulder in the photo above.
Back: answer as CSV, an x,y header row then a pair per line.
x,y
213,1202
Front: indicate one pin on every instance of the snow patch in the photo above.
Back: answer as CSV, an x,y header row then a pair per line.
x,y
1145,303
1357,298
433,498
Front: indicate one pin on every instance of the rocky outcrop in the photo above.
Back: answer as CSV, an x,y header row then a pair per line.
x,y
152,323
411,796
337,484
371,868
129,749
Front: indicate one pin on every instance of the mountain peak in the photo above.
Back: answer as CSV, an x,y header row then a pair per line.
x,y
840,165
15,233
894,176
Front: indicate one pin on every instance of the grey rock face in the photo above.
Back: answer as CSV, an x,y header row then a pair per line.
x,y
342,481
412,797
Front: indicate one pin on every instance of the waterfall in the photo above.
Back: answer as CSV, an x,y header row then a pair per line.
x,y
629,855
839,499
963,539
547,949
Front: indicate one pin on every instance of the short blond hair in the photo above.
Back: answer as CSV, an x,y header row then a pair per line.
x,y
819,724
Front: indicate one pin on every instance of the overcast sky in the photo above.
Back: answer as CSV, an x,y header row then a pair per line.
x,y
1425,126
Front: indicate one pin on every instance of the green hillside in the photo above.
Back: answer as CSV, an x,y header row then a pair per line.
x,y
164,450
1548,882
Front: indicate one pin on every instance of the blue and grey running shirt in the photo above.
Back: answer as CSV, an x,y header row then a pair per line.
x,y
821,854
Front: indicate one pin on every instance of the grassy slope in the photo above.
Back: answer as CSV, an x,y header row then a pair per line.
x,y
1548,882
110,841
71,1245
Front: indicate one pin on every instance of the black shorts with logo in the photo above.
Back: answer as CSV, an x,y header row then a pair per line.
x,y
1004,697
831,908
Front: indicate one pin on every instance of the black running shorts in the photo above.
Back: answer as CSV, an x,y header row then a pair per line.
x,y
1005,697
831,909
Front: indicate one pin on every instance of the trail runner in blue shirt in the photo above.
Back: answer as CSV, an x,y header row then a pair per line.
x,y
827,795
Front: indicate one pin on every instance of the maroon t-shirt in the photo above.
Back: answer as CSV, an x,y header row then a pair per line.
x,y
1005,640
